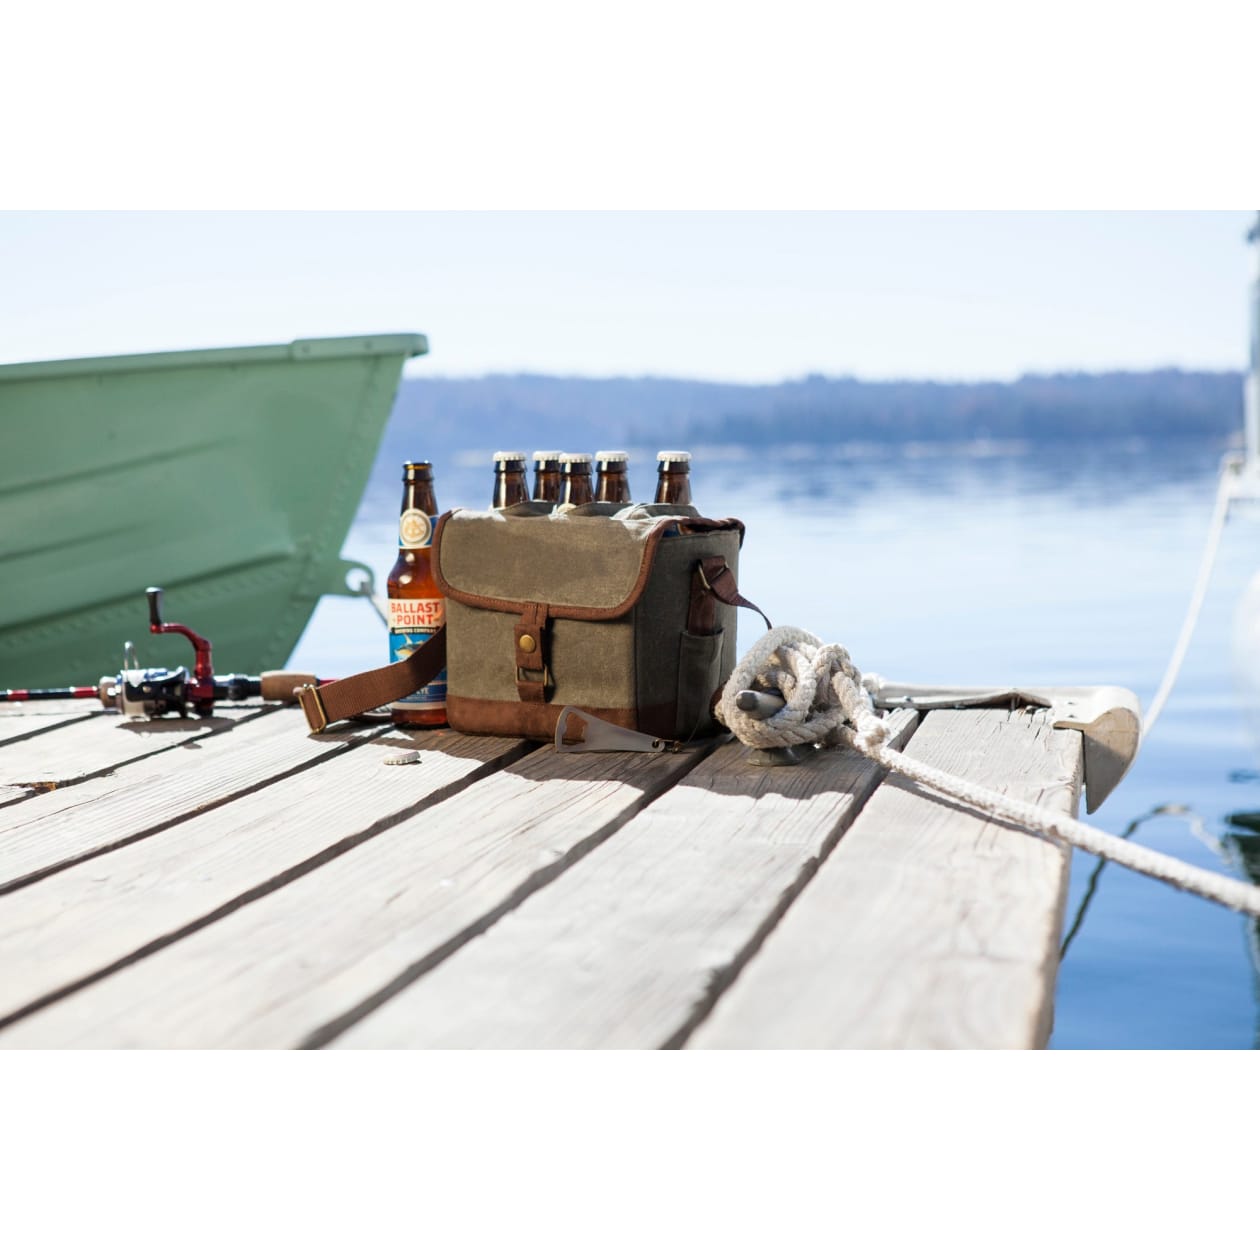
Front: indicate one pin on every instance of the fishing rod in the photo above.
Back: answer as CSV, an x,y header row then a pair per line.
x,y
152,693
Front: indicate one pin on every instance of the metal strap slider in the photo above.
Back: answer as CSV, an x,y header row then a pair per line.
x,y
313,706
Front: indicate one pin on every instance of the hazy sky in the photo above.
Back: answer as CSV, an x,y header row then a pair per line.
x,y
718,296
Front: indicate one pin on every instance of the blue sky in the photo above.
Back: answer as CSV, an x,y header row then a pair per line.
x,y
740,296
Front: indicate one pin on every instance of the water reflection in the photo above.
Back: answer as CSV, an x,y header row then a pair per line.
x,y
845,476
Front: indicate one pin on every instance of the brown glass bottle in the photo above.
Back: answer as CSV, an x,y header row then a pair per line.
x,y
613,482
416,607
509,479
673,477
575,479
547,476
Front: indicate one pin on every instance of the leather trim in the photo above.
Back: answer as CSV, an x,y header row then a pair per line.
x,y
510,717
693,525
530,641
707,523
702,607
532,628
714,574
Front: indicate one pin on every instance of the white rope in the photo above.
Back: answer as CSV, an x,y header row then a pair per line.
x,y
827,701
1220,512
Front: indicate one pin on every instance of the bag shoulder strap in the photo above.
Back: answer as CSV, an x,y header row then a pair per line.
x,y
348,697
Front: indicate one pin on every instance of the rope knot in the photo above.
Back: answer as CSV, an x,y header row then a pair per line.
x,y
823,693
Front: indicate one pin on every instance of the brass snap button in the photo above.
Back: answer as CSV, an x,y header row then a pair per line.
x,y
526,643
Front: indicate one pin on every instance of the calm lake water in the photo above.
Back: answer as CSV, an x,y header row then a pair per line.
x,y
979,565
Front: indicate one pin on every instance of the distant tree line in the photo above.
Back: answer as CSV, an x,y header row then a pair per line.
x,y
436,416
1035,409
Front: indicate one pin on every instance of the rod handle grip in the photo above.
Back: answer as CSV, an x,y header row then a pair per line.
x,y
280,684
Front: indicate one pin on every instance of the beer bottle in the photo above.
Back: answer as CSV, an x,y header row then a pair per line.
x,y
613,483
673,477
509,479
575,479
416,606
547,476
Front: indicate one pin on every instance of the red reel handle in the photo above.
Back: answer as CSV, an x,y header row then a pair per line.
x,y
203,671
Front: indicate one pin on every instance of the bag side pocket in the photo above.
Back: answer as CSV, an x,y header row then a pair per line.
x,y
699,677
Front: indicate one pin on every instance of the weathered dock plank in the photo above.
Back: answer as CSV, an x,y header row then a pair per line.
x,y
929,926
631,947
295,962
22,720
67,752
183,776
90,917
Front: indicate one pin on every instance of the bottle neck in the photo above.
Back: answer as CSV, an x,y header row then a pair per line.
x,y
673,485
613,486
547,482
509,487
417,514
575,487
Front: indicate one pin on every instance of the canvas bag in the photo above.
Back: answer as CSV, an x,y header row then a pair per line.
x,y
625,613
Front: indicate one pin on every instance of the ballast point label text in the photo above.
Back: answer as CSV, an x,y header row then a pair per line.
x,y
416,614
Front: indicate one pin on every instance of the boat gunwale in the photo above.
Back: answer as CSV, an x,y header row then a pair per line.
x,y
297,351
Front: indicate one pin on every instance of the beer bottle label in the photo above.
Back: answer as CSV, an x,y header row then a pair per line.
x,y
415,529
412,623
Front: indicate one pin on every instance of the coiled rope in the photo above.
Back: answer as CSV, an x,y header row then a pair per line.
x,y
828,701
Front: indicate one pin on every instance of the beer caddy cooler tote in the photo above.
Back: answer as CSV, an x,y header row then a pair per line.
x,y
625,613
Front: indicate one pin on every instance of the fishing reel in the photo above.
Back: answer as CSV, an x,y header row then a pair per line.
x,y
151,693
145,693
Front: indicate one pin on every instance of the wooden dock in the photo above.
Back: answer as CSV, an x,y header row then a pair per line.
x,y
238,882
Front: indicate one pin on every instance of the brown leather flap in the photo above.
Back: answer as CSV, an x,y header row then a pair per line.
x,y
583,566
531,653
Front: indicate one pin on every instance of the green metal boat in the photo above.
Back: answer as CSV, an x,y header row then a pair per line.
x,y
228,477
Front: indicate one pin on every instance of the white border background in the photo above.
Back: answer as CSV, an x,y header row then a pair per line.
x,y
675,104
652,105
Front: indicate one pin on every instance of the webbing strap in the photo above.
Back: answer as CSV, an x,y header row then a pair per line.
x,y
348,697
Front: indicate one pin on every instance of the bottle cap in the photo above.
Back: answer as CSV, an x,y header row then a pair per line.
x,y
502,456
543,457
574,457
611,457
674,457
